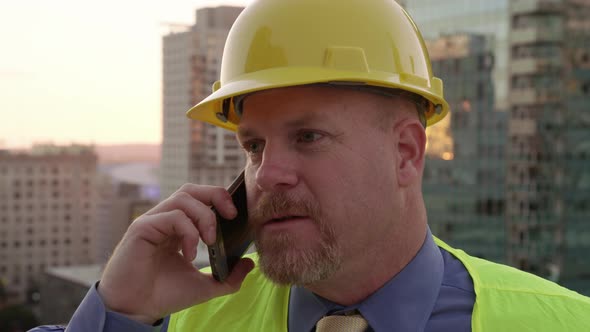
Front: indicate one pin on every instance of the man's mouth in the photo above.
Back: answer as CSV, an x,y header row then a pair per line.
x,y
289,223
285,218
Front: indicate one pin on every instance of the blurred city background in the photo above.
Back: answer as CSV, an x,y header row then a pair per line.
x,y
93,133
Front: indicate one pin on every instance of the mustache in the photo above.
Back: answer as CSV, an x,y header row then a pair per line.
x,y
271,205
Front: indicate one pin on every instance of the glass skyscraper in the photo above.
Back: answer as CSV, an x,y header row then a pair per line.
x,y
488,18
548,169
463,177
534,169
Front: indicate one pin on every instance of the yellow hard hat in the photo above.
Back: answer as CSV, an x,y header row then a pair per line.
x,y
282,43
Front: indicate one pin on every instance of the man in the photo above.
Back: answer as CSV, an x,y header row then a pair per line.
x,y
329,99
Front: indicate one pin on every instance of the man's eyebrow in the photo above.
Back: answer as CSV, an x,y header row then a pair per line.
x,y
244,133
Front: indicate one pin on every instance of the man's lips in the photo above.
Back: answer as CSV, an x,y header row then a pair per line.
x,y
289,223
285,218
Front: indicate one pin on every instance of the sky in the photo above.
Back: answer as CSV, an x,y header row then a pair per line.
x,y
80,71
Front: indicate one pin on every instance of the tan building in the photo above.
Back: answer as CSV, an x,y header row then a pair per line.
x,y
46,213
193,151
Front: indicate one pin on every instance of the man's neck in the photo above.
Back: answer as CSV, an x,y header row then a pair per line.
x,y
372,268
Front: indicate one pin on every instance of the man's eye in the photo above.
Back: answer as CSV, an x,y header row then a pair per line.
x,y
309,136
253,147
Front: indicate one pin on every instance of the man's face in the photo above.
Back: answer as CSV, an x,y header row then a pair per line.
x,y
320,179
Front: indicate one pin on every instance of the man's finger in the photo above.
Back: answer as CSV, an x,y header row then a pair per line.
x,y
159,228
201,215
217,197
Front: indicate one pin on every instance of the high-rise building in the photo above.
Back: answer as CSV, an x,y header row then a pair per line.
x,y
463,176
193,151
548,173
176,99
484,17
46,213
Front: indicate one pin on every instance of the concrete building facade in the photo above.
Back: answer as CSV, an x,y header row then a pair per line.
x,y
47,213
63,289
176,99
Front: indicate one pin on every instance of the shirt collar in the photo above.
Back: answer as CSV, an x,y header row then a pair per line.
x,y
404,303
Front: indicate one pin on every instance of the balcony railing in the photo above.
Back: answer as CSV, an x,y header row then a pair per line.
x,y
532,96
535,6
534,33
530,65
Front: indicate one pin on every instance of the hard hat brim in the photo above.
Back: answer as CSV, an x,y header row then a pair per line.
x,y
207,109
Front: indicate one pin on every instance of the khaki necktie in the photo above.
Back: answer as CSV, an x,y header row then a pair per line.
x,y
335,323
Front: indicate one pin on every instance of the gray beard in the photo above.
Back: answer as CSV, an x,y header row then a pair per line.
x,y
284,264
280,260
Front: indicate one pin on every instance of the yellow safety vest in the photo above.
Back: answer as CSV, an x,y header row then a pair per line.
x,y
506,300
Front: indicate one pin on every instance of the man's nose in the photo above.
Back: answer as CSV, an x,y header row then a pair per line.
x,y
277,171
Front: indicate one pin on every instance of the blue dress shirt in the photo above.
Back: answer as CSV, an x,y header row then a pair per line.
x,y
433,293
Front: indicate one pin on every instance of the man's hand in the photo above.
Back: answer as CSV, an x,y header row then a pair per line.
x,y
148,278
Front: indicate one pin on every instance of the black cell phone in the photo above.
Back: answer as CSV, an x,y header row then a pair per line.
x,y
234,237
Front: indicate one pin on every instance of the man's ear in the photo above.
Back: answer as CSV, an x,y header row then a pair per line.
x,y
411,147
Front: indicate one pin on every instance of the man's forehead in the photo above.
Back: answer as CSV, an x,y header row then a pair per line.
x,y
296,116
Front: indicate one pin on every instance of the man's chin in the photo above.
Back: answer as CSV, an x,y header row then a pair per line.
x,y
288,262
